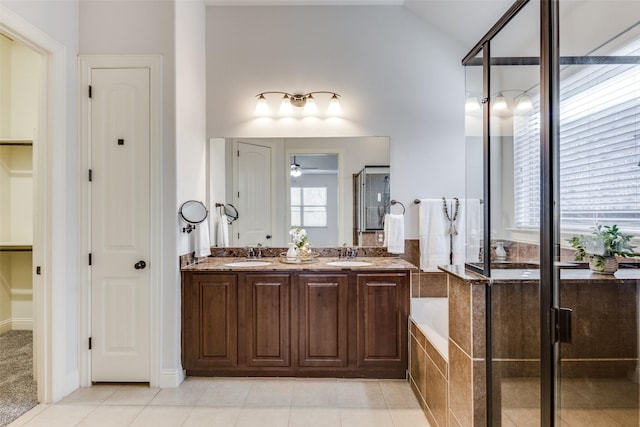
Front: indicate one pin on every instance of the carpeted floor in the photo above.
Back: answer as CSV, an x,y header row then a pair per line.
x,y
18,391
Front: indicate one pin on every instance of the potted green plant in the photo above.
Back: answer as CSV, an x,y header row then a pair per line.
x,y
601,248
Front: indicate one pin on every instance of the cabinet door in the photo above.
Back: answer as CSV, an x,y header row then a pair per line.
x,y
210,321
267,314
323,309
382,320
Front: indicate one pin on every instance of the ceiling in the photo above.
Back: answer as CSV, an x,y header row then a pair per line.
x,y
465,20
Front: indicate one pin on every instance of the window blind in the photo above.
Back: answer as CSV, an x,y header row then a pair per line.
x,y
599,148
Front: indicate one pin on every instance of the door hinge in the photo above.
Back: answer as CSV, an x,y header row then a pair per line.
x,y
561,325
90,175
238,153
89,343
38,270
89,259
238,235
90,92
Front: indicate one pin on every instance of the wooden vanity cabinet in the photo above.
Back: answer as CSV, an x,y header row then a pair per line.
x,y
209,321
382,320
267,311
323,307
333,324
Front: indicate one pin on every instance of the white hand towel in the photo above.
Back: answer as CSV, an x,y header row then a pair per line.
x,y
433,234
394,233
222,228
466,246
201,239
385,224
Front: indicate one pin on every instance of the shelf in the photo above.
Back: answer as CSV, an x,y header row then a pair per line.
x,y
15,247
16,141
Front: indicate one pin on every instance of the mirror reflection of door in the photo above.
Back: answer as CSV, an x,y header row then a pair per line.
x,y
252,194
314,197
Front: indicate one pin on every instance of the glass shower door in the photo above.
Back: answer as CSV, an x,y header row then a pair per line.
x,y
599,186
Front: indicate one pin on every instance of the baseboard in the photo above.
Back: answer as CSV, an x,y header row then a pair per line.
x,y
71,383
170,378
5,326
22,324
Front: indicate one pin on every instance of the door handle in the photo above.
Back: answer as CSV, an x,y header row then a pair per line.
x,y
268,236
139,265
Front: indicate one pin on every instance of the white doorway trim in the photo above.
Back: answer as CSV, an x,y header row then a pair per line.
x,y
154,63
54,378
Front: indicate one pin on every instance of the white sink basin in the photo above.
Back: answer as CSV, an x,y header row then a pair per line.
x,y
349,263
247,264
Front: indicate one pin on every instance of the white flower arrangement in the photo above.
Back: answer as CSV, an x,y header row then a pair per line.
x,y
299,237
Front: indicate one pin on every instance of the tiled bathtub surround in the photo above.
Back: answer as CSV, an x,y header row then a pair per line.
x,y
428,372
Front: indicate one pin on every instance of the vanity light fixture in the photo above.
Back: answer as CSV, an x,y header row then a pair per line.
x,y
305,101
471,105
500,103
524,103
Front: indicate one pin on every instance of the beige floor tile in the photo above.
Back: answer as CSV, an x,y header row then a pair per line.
x,y
314,417
93,395
180,396
162,416
270,393
365,417
60,416
27,416
360,394
263,417
408,417
111,416
135,395
225,393
398,394
315,393
212,417
520,392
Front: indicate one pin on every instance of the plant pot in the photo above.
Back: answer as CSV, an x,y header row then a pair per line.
x,y
609,266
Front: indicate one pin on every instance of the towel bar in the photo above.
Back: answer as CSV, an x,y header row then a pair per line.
x,y
394,202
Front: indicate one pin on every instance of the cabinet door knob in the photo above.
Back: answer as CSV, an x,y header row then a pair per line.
x,y
139,265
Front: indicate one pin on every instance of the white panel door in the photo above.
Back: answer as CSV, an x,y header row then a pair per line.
x,y
253,195
120,217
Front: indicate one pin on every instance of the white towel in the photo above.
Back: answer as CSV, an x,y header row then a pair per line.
x,y
466,245
222,230
201,239
433,233
394,233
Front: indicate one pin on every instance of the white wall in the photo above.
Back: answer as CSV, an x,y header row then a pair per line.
x,y
397,76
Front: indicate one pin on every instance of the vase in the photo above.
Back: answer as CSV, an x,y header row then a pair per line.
x,y
609,266
292,252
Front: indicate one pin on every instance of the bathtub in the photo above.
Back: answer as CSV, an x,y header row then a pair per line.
x,y
431,315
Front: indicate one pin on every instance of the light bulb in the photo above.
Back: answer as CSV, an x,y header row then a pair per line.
x,y
471,105
310,107
524,104
334,106
285,107
500,103
262,108
295,170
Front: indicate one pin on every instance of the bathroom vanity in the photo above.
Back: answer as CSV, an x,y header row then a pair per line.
x,y
308,320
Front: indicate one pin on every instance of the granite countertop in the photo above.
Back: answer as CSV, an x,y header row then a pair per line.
x,y
533,275
320,264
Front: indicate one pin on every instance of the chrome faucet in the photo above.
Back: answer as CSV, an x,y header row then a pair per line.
x,y
347,252
250,253
259,247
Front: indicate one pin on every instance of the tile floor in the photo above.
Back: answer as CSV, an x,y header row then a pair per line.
x,y
241,402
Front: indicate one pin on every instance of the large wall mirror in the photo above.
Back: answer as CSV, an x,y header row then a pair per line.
x,y
275,183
